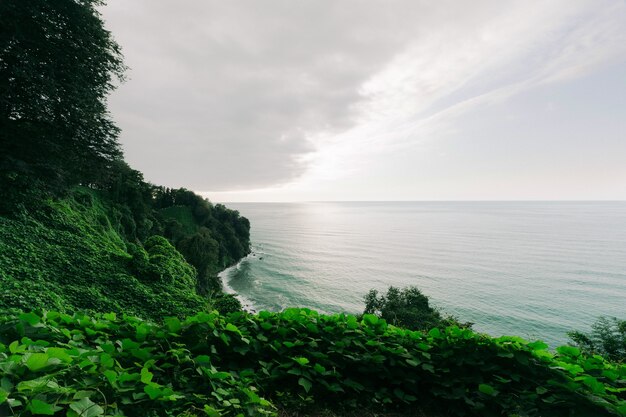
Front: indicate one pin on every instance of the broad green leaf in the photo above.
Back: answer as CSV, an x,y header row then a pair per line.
x,y
231,328
173,324
487,389
3,395
30,318
305,383
38,407
79,395
37,361
111,376
110,316
153,391
146,375
319,368
596,386
568,351
413,362
370,319
59,353
301,361
86,408
428,367
211,412
435,333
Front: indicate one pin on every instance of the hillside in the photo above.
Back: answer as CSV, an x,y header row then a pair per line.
x,y
81,253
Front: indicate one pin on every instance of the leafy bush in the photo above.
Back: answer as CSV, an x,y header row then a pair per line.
x,y
64,365
607,338
227,303
406,307
167,265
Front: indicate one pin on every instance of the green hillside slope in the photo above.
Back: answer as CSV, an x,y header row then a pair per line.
x,y
73,254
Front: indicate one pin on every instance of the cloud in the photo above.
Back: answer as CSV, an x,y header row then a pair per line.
x,y
424,89
247,95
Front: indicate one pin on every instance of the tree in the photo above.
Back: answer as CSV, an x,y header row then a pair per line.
x,y
57,66
202,251
406,307
607,338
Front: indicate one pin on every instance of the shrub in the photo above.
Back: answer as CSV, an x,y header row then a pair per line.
x,y
227,303
607,338
406,307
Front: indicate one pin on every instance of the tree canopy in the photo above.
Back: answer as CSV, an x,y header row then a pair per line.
x,y
57,65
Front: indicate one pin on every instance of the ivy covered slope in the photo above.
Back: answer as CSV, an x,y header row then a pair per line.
x,y
97,251
247,365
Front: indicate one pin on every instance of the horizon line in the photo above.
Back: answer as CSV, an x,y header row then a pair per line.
x,y
422,201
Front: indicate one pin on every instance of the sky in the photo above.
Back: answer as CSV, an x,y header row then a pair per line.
x,y
370,100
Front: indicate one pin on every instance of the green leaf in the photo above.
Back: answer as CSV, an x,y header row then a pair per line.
x,y
3,395
30,318
38,407
488,389
568,351
153,391
110,316
59,353
231,328
87,408
301,361
146,375
305,383
596,386
79,395
211,412
173,324
370,319
435,333
37,361
319,368
428,367
111,376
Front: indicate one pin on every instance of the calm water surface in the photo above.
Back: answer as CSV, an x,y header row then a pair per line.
x,y
534,269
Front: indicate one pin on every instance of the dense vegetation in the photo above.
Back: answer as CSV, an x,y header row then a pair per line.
x,y
207,364
82,233
74,254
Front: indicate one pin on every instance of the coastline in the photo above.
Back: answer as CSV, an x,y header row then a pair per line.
x,y
224,276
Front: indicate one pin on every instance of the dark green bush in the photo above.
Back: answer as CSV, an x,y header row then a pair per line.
x,y
607,338
227,303
406,307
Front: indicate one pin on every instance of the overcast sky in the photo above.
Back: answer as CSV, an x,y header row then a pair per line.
x,y
296,100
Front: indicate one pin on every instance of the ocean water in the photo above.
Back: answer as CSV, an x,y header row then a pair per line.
x,y
533,269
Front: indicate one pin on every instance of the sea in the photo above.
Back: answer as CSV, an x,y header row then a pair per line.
x,y
532,269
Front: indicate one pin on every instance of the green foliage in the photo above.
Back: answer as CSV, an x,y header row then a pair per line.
x,y
68,256
166,264
224,365
57,66
406,307
186,216
607,338
227,303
